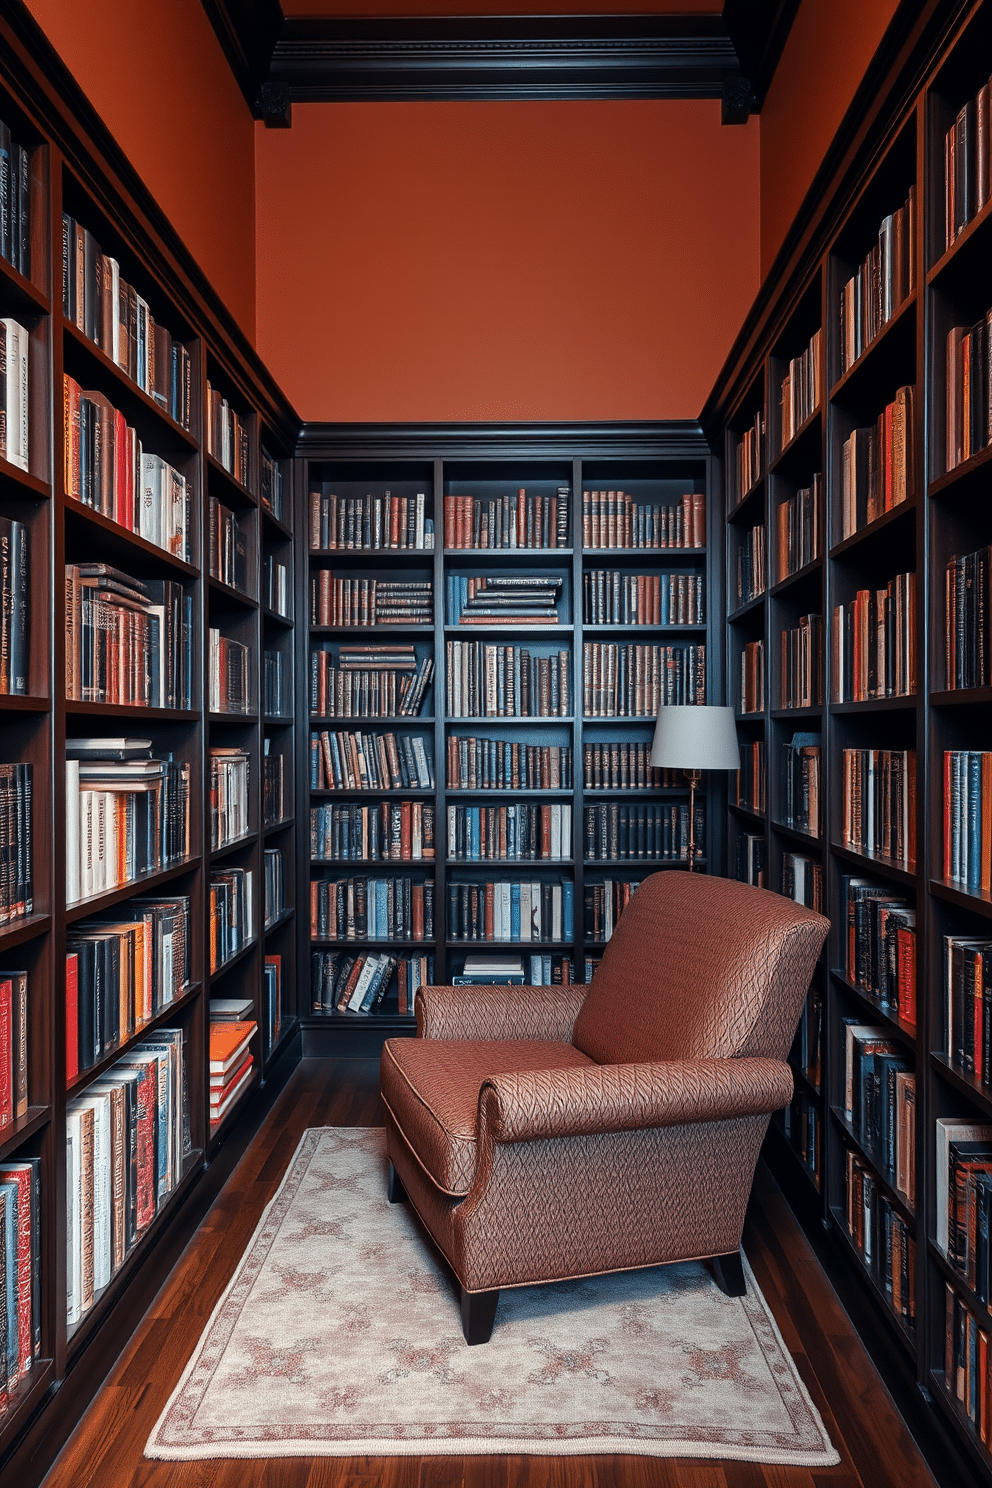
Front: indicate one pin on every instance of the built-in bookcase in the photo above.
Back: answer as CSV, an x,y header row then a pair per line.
x,y
107,492
894,461
523,769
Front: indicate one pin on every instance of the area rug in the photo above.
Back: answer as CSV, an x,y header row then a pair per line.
x,y
340,1335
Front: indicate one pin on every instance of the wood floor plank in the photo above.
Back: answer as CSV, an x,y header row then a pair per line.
x,y
105,1451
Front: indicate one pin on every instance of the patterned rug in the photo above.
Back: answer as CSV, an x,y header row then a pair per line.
x,y
340,1335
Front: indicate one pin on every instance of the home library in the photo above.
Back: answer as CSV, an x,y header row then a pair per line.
x,y
514,584
146,779
866,523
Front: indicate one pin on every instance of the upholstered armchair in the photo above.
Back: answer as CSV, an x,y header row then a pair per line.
x,y
544,1133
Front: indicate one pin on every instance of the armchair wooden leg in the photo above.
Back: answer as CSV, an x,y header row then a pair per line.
x,y
728,1273
397,1193
478,1315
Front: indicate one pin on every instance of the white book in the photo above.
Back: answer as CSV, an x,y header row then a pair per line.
x,y
149,514
116,351
557,932
17,393
420,759
362,985
99,1103
86,843
72,803
526,913
949,1130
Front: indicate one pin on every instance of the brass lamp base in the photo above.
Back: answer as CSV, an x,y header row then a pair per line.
x,y
693,777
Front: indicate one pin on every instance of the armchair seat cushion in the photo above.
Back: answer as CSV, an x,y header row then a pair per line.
x,y
431,1089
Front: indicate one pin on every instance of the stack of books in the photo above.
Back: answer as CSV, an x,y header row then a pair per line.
x,y
491,971
231,1062
498,600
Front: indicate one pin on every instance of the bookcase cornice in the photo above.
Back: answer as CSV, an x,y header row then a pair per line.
x,y
672,439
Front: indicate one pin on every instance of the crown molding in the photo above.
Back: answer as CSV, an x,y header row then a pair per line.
x,y
647,439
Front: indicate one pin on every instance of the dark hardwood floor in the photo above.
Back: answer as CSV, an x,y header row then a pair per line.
x,y
105,1451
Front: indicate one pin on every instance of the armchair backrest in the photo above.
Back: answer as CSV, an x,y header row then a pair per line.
x,y
700,967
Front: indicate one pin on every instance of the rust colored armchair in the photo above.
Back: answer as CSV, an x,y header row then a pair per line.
x,y
543,1133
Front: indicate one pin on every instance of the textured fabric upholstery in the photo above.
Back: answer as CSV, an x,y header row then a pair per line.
x,y
700,968
552,1132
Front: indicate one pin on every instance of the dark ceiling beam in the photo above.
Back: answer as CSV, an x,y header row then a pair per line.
x,y
376,58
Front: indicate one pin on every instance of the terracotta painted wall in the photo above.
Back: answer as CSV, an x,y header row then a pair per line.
x,y
180,119
824,60
437,261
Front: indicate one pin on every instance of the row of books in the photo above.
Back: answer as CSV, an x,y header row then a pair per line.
x,y
128,641
802,880
801,664
508,521
496,681
124,819
880,1102
364,908
968,819
270,483
370,521
800,760
500,910
880,284
15,610
277,692
873,643
273,885
127,1141
802,387
15,202
335,977
505,600
273,782
230,914
509,833
879,803
618,833
967,164
351,601
968,619
968,1364
633,681
603,904
276,590
228,545
20,1273
13,1046
753,677
120,973
749,456
15,388
361,762
490,764
624,767
752,777
230,770
963,1190
107,469
392,831
968,1005
369,681
231,1063
880,945
882,1238
800,528
752,565
228,439
229,687
877,466
969,355
109,312
750,859
616,519
610,597
801,1129
272,999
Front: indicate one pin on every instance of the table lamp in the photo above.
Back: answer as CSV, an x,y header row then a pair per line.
x,y
694,739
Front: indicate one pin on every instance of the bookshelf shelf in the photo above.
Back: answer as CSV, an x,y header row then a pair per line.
x,y
905,1032
222,479
894,343
904,1334
96,903
234,844
801,448
84,359
134,713
23,703
968,253
876,705
893,1194
223,967
802,576
875,862
108,1060
953,893
17,1132
24,929
872,538
965,1083
21,478
753,607
22,295
961,697
966,480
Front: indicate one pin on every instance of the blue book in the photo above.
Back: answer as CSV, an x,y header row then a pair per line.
x,y
475,834
514,911
973,821
567,907
381,909
9,1190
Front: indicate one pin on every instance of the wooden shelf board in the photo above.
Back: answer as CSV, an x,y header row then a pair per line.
x,y
108,1060
82,909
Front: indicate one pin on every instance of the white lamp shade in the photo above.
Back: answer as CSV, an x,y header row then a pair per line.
x,y
695,738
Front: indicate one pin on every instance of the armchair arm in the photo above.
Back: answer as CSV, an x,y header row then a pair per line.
x,y
533,1105
492,1013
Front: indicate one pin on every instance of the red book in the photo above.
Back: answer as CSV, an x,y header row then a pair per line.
x,y
23,1175
71,1017
6,1052
147,1176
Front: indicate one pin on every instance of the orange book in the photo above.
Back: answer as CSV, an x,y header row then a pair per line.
x,y
228,1041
